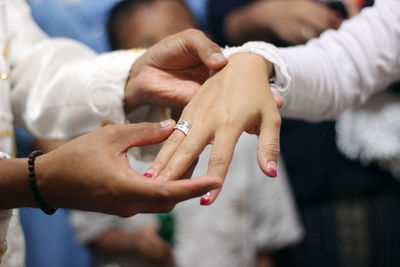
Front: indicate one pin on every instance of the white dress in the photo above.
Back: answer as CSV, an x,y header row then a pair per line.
x,y
341,69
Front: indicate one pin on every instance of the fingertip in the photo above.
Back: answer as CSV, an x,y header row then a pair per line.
x,y
272,169
278,100
267,166
217,60
167,124
205,199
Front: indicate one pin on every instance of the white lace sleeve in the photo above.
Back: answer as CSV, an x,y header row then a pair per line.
x,y
281,80
5,216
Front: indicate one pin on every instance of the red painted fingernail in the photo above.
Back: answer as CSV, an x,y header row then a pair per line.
x,y
271,169
148,175
205,200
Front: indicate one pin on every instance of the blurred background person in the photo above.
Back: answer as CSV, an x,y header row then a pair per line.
x,y
349,208
254,216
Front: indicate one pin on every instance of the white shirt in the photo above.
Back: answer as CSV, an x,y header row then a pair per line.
x,y
341,69
57,88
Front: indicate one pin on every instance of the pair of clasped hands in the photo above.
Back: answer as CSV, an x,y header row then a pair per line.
x,y
173,73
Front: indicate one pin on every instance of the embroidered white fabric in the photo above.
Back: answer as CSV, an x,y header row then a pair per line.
x,y
281,81
371,132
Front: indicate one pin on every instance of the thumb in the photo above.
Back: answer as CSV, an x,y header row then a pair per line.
x,y
143,134
268,145
208,51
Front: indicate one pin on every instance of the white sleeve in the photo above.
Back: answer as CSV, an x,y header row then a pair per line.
x,y
61,88
343,68
340,69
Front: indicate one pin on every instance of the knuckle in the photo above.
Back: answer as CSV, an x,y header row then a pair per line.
x,y
186,150
173,140
111,131
164,196
218,159
190,33
272,148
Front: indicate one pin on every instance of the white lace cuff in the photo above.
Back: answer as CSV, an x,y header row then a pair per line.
x,y
4,155
281,81
108,83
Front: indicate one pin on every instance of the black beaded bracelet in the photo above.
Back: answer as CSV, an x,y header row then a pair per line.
x,y
33,185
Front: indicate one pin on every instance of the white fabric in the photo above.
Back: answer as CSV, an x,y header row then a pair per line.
x,y
58,89
371,132
15,256
61,88
342,68
89,226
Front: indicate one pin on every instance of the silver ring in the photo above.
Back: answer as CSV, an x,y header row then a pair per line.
x,y
183,126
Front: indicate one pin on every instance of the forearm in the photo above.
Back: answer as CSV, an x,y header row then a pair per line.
x,y
14,184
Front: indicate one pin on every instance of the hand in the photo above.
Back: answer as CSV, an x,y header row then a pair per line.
x,y
92,173
294,21
234,100
144,243
171,72
149,246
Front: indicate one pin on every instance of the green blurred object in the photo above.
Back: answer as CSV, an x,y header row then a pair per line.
x,y
167,226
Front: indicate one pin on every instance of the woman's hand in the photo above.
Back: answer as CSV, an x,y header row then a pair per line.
x,y
92,173
234,100
171,72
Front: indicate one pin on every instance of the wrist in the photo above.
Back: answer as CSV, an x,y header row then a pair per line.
x,y
252,62
44,173
14,184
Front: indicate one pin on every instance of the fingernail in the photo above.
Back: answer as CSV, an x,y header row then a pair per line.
x,y
205,200
271,169
166,123
217,57
148,175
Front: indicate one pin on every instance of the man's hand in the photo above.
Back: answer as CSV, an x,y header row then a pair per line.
x,y
92,173
171,71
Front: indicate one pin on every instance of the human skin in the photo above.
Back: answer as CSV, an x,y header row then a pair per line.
x,y
151,22
219,116
294,21
92,173
171,71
